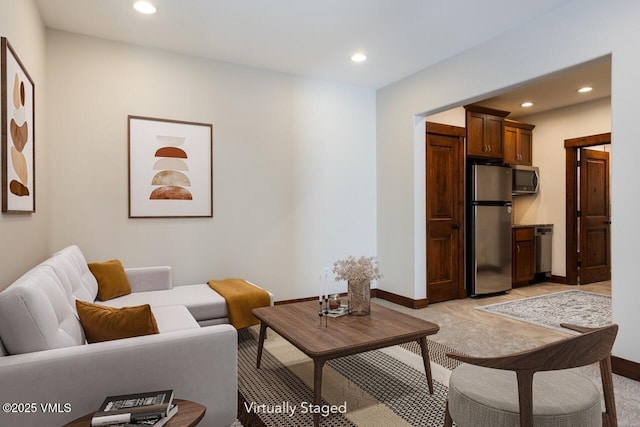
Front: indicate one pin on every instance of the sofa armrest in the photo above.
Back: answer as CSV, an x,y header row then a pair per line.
x,y
144,279
198,364
271,296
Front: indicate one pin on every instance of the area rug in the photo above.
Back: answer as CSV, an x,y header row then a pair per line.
x,y
576,307
377,388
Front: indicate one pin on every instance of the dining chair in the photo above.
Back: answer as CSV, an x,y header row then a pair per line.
x,y
504,392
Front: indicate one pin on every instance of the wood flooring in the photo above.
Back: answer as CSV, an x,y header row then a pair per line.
x,y
478,332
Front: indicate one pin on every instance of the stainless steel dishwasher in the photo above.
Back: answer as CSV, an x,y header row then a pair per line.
x,y
543,238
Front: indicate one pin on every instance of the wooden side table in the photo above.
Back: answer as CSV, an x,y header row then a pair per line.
x,y
189,415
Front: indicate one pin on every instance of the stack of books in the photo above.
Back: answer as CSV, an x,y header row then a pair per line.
x,y
153,408
340,311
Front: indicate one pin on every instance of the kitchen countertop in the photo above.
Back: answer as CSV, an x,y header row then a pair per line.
x,y
530,225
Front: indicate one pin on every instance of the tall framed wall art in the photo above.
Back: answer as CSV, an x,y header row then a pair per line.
x,y
170,168
18,133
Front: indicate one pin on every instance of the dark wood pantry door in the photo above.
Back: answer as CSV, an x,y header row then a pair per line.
x,y
595,217
445,210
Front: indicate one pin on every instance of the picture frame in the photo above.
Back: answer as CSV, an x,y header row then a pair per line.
x,y
170,168
17,129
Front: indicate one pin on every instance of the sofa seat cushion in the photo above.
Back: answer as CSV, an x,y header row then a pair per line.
x,y
173,318
202,302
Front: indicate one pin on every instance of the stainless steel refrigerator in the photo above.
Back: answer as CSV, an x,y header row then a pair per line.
x,y
489,237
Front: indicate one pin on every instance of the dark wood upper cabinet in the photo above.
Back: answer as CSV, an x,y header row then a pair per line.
x,y
485,128
518,140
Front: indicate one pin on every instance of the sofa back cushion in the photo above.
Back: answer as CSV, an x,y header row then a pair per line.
x,y
35,314
71,268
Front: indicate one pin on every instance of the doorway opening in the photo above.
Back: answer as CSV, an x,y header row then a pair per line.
x,y
588,210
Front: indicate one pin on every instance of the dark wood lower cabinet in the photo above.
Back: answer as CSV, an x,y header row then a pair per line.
x,y
523,256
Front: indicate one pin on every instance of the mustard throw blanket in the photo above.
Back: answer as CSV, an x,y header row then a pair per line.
x,y
241,297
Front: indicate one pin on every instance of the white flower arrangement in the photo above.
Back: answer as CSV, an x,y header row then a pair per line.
x,y
356,270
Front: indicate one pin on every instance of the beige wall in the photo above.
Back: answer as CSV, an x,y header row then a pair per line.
x,y
552,128
24,237
293,169
555,41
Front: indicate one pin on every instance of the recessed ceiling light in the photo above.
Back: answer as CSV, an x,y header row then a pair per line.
x,y
358,57
585,89
527,104
145,7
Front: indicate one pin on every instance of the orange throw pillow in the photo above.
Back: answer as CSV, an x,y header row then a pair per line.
x,y
112,280
101,323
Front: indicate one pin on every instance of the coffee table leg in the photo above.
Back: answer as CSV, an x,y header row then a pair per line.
x,y
317,388
425,360
263,332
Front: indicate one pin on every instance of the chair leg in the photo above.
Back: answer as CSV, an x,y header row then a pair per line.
x,y
448,422
525,397
609,416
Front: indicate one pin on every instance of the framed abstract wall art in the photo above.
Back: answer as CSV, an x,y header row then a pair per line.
x,y
18,133
170,168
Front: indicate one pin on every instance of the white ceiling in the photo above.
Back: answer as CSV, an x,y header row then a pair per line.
x,y
556,90
317,37
305,37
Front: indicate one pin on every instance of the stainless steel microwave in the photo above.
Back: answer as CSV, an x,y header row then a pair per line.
x,y
525,179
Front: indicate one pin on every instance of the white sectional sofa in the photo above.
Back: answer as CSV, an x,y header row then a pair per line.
x,y
45,359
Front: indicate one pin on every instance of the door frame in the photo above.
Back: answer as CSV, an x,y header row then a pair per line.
x,y
571,150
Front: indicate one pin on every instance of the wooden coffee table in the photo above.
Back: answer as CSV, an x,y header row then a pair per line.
x,y
189,415
299,324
